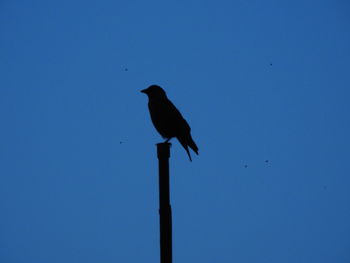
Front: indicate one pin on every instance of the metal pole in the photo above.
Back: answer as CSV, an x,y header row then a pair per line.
x,y
163,153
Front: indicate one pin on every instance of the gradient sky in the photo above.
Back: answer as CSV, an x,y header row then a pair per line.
x,y
265,86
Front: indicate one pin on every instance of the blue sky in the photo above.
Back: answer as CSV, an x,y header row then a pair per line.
x,y
264,86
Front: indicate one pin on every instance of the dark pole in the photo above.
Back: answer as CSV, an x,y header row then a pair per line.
x,y
163,153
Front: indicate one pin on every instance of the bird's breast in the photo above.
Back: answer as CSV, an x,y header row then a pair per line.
x,y
162,119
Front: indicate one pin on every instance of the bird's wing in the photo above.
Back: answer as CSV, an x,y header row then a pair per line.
x,y
176,118
166,118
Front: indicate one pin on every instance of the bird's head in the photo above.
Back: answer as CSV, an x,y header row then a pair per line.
x,y
154,91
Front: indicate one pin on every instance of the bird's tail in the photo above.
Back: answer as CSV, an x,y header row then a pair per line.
x,y
192,144
185,142
188,152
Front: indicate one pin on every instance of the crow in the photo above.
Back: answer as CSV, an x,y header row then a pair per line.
x,y
167,119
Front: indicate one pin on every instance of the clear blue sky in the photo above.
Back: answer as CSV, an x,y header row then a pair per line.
x,y
265,86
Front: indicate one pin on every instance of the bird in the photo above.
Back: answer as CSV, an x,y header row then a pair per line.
x,y
168,120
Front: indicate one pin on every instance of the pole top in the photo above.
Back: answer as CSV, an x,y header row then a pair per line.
x,y
163,150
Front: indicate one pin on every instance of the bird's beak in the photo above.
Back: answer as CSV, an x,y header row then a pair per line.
x,y
144,91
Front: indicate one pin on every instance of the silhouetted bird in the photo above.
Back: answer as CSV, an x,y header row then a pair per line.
x,y
167,119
